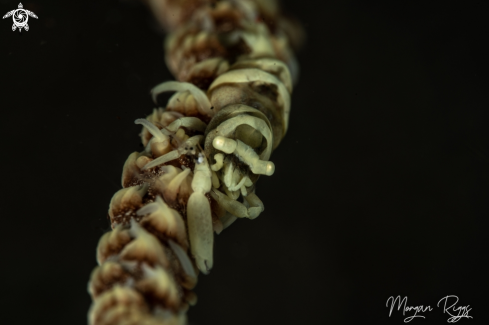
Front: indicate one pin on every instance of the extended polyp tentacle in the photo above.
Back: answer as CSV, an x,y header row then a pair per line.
x,y
188,146
172,155
161,118
152,129
173,188
160,143
199,95
169,172
193,123
199,216
173,184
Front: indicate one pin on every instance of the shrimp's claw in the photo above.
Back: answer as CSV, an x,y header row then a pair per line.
x,y
200,230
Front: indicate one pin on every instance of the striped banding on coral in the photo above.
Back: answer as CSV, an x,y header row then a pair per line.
x,y
203,154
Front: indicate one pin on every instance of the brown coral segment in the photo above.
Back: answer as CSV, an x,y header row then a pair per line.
x,y
228,32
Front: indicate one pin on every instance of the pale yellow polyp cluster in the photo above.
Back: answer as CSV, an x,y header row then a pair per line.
x,y
203,154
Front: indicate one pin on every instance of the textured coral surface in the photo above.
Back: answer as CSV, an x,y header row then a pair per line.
x,y
204,152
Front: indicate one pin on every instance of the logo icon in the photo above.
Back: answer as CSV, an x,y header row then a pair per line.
x,y
20,17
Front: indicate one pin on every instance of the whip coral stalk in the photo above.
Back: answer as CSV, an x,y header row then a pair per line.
x,y
203,155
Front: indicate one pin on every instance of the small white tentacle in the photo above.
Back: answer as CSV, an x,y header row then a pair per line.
x,y
152,129
172,155
193,123
173,188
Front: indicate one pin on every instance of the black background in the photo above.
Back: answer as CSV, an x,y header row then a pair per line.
x,y
380,189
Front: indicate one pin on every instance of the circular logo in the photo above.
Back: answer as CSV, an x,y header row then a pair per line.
x,y
20,17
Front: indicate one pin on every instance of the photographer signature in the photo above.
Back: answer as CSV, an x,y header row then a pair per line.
x,y
449,304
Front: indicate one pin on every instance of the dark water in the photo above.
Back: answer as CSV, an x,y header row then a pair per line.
x,y
381,184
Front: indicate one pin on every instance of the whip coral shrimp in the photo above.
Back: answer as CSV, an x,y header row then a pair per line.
x,y
204,152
